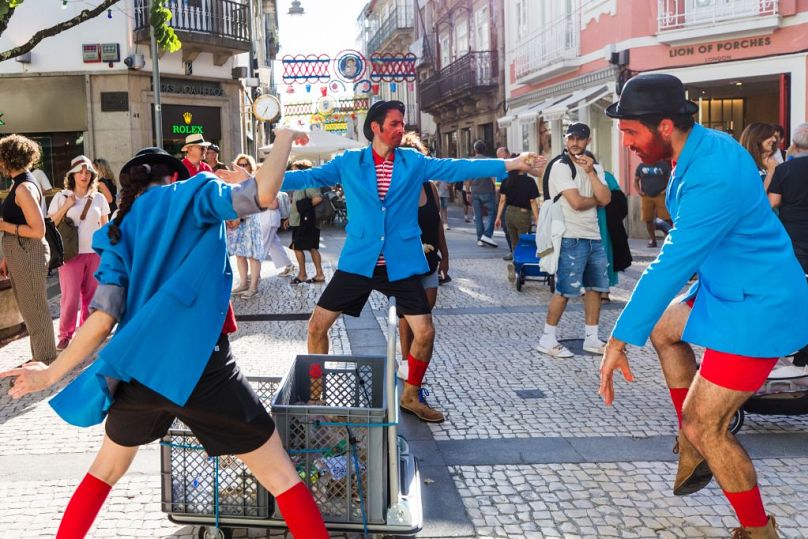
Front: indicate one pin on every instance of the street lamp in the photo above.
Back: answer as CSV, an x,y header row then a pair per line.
x,y
295,9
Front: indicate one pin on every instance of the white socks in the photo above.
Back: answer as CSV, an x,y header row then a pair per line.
x,y
549,333
591,332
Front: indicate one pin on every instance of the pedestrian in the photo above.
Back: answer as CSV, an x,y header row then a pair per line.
x,y
777,149
245,241
435,250
305,228
725,231
88,210
651,181
107,185
383,249
613,232
194,160
165,275
483,194
270,221
25,252
759,140
788,193
582,263
519,201
443,193
212,158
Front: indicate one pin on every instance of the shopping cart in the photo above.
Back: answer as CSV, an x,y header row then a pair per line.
x,y
526,263
340,429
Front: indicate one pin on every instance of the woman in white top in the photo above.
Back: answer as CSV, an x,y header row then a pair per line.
x,y
81,202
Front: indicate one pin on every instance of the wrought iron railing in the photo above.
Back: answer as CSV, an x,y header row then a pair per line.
x,y
214,18
474,70
559,41
680,14
400,18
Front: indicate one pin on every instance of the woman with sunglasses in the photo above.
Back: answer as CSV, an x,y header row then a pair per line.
x,y
245,241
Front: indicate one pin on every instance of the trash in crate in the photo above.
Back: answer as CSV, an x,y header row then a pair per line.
x,y
338,466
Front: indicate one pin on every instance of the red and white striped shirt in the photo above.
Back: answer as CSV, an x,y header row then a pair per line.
x,y
384,174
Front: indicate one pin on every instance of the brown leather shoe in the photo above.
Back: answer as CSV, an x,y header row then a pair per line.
x,y
412,402
693,473
769,531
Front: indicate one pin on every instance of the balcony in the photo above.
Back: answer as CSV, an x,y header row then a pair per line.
x,y
221,27
463,79
395,32
685,20
551,51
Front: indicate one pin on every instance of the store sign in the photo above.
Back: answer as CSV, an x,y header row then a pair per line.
x,y
720,51
191,87
187,128
179,121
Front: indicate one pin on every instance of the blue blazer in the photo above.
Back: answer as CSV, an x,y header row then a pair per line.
x,y
751,293
389,227
172,264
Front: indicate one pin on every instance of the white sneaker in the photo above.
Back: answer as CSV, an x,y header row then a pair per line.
x,y
488,241
593,345
554,349
480,243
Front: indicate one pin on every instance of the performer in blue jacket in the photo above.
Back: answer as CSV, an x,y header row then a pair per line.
x,y
165,279
383,251
747,307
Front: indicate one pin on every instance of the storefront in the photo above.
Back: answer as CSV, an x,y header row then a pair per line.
x,y
179,121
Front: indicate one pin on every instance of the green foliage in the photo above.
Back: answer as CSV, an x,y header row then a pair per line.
x,y
163,33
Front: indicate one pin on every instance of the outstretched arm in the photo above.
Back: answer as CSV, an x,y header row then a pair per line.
x,y
270,176
457,170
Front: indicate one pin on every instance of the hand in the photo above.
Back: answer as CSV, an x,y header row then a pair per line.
x,y
31,377
238,175
585,162
427,248
232,225
613,358
298,137
539,161
285,224
443,266
3,269
71,200
770,163
525,162
498,223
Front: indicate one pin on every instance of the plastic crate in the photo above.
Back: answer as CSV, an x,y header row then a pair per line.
x,y
353,393
188,473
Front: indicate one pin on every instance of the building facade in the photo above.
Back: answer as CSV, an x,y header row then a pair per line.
x,y
89,90
742,61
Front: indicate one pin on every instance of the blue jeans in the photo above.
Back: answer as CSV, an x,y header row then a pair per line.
x,y
581,264
478,201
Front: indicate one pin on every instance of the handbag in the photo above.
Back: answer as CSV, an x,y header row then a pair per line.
x,y
69,231
57,249
324,211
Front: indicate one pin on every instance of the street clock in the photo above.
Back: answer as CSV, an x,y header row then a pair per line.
x,y
267,108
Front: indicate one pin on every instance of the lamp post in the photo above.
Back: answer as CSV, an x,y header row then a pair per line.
x,y
158,112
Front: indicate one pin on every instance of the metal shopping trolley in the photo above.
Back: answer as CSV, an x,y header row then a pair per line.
x,y
337,417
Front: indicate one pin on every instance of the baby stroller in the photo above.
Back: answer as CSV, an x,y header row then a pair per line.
x,y
526,263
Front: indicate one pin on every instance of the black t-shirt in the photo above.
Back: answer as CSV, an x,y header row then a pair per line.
x,y
654,178
790,180
519,190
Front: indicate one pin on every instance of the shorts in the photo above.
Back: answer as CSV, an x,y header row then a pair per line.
x,y
223,411
305,238
348,292
733,371
653,207
430,280
582,264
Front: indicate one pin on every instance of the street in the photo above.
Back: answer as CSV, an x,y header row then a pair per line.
x,y
527,450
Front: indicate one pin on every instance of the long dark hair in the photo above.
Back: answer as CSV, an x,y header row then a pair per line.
x,y
134,181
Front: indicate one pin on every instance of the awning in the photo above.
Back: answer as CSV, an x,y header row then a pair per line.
x,y
575,100
505,121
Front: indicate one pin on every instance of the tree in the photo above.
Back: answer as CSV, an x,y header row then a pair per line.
x,y
160,17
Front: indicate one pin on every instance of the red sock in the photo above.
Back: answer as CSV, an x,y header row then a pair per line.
x,y
83,508
301,514
678,395
417,370
749,507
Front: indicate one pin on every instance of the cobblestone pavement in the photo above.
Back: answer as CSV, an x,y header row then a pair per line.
x,y
485,353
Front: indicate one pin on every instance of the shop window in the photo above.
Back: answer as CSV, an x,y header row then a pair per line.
x,y
723,114
58,149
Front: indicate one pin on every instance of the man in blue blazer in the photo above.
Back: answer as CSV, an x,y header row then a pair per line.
x,y
383,251
743,307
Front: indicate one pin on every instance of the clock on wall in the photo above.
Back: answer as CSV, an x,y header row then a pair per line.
x,y
266,108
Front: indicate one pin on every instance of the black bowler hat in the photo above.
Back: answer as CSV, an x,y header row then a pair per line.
x,y
377,112
154,156
579,129
650,95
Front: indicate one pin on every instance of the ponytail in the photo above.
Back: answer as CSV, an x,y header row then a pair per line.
x,y
134,181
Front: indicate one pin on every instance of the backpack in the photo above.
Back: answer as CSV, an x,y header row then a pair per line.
x,y
545,180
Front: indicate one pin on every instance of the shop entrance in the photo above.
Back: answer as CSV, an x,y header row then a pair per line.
x,y
179,121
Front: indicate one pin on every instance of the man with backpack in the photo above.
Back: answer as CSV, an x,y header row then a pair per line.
x,y
651,180
571,181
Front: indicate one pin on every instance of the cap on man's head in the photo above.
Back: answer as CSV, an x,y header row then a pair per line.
x,y
194,140
214,148
652,94
377,113
579,129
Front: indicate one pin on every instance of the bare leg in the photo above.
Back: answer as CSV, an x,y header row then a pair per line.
x,y
320,322
318,264
423,336
255,273
556,308
271,466
112,461
404,331
676,358
241,267
650,226
301,265
591,307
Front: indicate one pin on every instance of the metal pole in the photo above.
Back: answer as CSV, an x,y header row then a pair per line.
x,y
391,387
251,74
158,112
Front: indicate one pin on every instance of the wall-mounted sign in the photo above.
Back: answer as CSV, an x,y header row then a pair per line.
x,y
91,53
180,121
110,52
114,101
191,87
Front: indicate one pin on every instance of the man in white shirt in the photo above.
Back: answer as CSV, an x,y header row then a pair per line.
x,y
582,263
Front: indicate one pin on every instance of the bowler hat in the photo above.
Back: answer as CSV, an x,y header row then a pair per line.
x,y
650,95
154,156
377,112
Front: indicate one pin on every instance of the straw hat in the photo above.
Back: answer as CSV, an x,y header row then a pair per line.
x,y
195,140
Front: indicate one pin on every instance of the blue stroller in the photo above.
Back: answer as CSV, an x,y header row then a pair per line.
x,y
526,263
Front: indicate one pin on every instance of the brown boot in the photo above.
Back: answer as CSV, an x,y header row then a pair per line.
x,y
411,402
693,473
769,531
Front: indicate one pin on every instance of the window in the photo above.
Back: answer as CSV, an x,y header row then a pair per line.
x,y
520,23
461,35
525,137
482,38
445,50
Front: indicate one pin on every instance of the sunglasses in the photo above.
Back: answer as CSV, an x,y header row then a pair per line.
x,y
242,164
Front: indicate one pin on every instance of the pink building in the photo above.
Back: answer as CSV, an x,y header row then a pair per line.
x,y
743,61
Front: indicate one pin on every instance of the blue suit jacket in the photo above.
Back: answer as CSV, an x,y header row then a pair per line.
x,y
172,263
751,294
389,227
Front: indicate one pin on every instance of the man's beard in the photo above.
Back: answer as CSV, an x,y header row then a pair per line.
x,y
657,150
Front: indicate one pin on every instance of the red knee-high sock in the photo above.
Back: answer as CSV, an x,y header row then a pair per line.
x,y
301,514
83,508
417,370
678,395
749,507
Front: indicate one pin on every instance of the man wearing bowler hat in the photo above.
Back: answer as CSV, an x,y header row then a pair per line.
x,y
195,148
725,232
383,250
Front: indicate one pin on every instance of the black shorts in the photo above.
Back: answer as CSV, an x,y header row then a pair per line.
x,y
305,238
348,292
223,411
